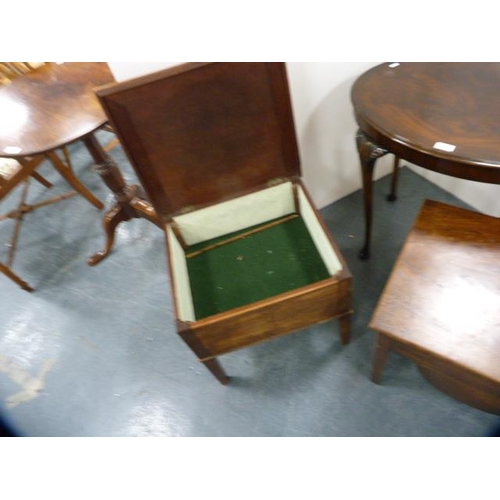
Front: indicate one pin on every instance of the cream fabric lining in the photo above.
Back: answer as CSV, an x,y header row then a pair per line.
x,y
319,237
181,286
234,215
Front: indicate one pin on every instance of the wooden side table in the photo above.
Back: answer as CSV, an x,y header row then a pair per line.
x,y
441,305
53,106
440,116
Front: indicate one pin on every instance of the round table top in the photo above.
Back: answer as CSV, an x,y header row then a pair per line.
x,y
442,116
50,107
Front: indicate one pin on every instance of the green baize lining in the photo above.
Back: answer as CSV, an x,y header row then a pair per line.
x,y
275,260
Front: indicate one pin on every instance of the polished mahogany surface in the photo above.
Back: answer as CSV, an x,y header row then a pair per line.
x,y
410,107
55,105
441,305
51,106
200,133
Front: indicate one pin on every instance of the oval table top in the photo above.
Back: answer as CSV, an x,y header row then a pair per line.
x,y
50,107
442,116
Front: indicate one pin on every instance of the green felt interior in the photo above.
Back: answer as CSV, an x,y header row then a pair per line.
x,y
275,260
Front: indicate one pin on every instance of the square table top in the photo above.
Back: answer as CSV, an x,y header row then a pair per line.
x,y
443,295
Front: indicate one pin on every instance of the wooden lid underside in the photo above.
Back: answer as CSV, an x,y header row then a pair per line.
x,y
201,133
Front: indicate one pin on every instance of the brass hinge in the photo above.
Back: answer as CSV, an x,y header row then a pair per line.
x,y
276,181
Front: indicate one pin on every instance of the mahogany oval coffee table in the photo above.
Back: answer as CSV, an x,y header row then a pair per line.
x,y
55,105
441,116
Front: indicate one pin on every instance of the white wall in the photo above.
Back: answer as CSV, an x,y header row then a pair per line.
x,y
326,128
324,121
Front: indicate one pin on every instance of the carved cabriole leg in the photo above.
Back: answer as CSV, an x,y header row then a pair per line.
x,y
214,366
392,196
111,219
131,198
121,212
382,346
128,204
369,152
345,328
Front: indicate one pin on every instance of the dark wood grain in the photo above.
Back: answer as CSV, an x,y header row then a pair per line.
x,y
270,318
441,305
407,109
213,131
51,106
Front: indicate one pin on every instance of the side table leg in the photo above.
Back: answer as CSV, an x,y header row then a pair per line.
x,y
111,219
14,277
369,152
127,206
392,196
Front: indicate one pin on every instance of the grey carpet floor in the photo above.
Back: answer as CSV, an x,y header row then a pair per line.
x,y
94,352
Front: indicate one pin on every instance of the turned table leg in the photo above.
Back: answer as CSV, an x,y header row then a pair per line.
x,y
369,153
111,220
128,203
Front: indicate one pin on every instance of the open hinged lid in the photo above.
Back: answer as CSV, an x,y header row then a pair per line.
x,y
201,133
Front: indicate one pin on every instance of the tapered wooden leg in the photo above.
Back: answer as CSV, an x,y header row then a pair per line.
x,y
369,152
392,196
17,227
345,328
382,347
214,366
71,178
14,277
42,180
111,220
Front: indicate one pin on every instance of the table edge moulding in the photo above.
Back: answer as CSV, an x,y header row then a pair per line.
x,y
440,116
